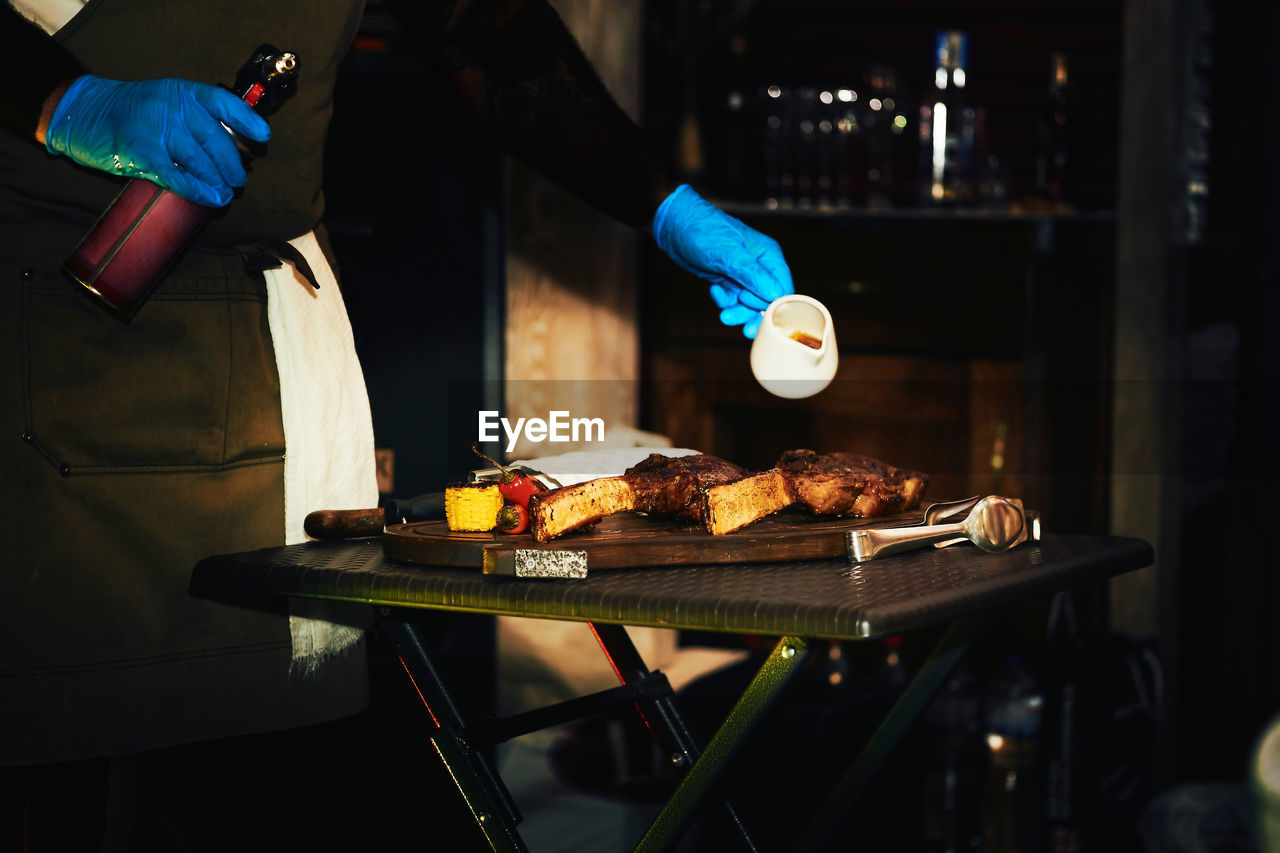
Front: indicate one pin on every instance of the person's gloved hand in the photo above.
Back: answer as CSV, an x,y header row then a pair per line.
x,y
746,269
169,131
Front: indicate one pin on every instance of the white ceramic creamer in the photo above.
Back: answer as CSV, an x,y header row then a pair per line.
x,y
794,354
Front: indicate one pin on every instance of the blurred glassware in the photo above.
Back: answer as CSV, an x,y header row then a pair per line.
x,y
953,769
948,126
1053,157
835,147
1265,777
737,170
993,182
884,123
825,164
805,120
848,146
1012,708
777,145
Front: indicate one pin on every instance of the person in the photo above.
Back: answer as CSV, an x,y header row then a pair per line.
x,y
202,426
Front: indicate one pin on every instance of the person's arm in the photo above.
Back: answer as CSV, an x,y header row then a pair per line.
x,y
524,77
170,131
527,81
35,71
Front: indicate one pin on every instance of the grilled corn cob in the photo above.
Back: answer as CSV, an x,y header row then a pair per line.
x,y
472,506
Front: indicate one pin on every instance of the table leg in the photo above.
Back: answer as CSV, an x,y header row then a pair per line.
x,y
662,716
488,799
934,672
709,769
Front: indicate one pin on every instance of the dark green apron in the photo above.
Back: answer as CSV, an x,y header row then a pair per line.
x,y
132,450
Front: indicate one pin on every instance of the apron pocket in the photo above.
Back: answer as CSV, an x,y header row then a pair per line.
x,y
189,383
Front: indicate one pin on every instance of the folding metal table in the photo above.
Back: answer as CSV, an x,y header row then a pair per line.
x,y
798,602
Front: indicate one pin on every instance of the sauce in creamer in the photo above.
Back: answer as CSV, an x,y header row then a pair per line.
x,y
807,339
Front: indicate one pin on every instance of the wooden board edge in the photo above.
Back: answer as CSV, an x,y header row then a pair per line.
x,y
631,550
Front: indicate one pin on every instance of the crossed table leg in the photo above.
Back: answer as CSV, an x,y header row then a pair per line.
x,y
460,742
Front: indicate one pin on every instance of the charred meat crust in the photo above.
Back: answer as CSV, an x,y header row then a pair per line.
x,y
657,485
668,486
839,484
849,483
725,497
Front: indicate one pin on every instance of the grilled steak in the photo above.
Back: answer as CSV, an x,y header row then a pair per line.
x,y
658,485
849,484
725,497
824,483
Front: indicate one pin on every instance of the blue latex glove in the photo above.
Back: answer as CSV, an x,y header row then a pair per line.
x,y
169,131
746,269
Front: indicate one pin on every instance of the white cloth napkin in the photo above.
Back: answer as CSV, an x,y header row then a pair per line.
x,y
328,429
579,466
49,15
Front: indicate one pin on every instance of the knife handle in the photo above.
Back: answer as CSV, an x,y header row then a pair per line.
x,y
344,523
350,523
421,508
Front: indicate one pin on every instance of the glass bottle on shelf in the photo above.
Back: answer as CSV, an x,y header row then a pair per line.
x,y
894,673
777,149
825,172
884,124
848,155
807,146
952,777
1052,162
947,125
1012,711
736,174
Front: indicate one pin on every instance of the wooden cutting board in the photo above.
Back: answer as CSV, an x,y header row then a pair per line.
x,y
629,540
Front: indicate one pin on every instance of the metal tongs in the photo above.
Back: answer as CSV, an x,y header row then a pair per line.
x,y
993,523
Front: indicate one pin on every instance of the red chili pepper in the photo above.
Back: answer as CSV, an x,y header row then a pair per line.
x,y
520,489
516,487
513,518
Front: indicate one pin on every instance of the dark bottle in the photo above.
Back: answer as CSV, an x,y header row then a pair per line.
x,y
1012,711
1053,159
734,166
883,122
147,227
953,773
806,145
948,126
894,674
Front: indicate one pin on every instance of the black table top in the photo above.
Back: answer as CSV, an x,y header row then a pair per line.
x,y
820,598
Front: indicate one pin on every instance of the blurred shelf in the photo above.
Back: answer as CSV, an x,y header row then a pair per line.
x,y
761,210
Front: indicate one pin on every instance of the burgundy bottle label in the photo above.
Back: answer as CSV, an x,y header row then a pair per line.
x,y
133,243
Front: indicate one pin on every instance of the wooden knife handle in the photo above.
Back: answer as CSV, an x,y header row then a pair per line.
x,y
344,523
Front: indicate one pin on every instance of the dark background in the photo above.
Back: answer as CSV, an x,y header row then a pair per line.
x,y
837,44
416,211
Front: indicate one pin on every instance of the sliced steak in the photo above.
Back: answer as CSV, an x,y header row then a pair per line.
x,y
664,486
850,484
824,483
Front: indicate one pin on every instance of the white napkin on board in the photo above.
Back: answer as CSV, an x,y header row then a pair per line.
x,y
579,466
